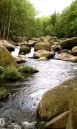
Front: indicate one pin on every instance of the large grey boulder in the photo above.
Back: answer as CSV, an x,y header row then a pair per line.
x,y
69,43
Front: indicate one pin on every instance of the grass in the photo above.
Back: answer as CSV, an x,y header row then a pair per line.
x,y
11,74
27,70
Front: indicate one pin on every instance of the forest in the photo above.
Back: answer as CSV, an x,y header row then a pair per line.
x,y
18,17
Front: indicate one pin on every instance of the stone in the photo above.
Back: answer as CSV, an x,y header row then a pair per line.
x,y
67,57
20,59
43,53
24,49
58,122
31,43
19,38
42,46
6,58
69,43
7,44
42,59
74,50
58,100
56,48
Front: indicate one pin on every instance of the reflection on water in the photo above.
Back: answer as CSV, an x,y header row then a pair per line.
x,y
51,73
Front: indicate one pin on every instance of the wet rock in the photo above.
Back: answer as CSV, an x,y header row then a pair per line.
x,y
67,57
69,43
42,46
7,45
74,50
24,49
43,53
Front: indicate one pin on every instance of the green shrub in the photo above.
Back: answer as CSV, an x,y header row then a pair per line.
x,y
11,74
27,69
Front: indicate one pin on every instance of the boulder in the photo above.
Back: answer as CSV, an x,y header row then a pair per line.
x,y
19,38
58,122
42,59
43,53
67,57
69,43
20,59
24,49
55,104
31,43
7,45
56,48
42,46
74,50
72,119
6,58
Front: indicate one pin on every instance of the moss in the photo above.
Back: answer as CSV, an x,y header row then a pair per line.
x,y
40,125
3,94
27,70
11,74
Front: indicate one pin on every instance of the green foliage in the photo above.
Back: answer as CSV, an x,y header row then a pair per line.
x,y
40,125
16,17
27,70
11,74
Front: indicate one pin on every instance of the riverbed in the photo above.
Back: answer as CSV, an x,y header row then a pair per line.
x,y
22,105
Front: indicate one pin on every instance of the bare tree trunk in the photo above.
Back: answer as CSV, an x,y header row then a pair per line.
x,y
4,32
8,29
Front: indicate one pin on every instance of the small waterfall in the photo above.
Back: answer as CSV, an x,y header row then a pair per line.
x,y
16,52
31,52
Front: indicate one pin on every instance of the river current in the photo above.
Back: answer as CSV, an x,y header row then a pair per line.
x,y
22,105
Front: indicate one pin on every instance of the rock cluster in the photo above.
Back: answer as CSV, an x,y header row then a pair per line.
x,y
58,107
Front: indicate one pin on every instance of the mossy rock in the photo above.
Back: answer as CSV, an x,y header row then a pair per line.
x,y
56,101
5,58
42,46
69,43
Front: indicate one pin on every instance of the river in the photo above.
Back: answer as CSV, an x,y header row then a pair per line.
x,y
22,105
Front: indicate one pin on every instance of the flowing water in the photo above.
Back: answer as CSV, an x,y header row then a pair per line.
x,y
23,104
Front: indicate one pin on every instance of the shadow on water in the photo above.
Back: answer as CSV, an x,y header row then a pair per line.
x,y
29,92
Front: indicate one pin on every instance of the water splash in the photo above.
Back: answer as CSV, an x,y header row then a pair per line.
x,y
16,52
31,52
